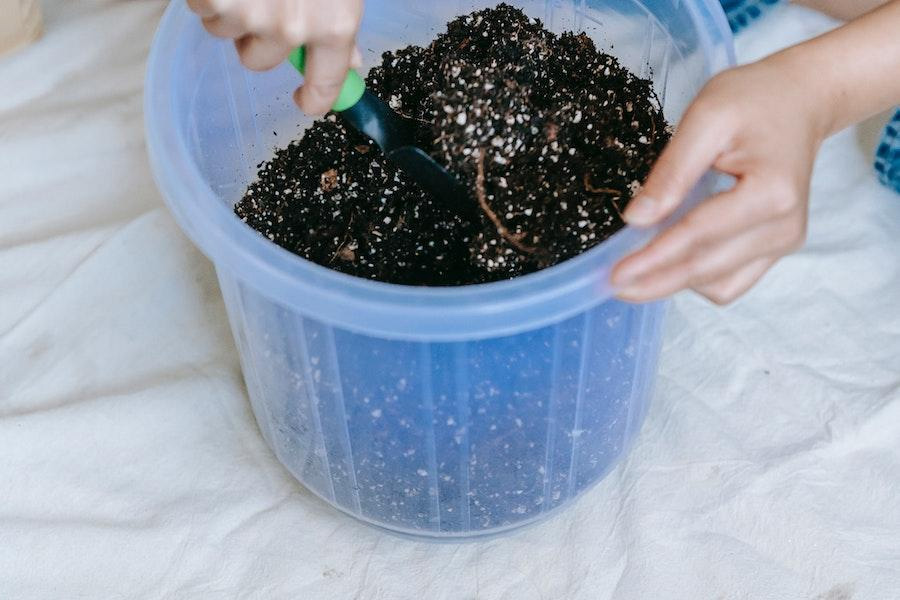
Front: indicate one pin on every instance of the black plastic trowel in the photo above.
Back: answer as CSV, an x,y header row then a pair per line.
x,y
396,136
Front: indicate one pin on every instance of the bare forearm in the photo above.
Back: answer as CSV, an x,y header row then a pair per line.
x,y
846,10
850,73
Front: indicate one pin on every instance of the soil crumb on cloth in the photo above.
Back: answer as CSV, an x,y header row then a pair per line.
x,y
552,137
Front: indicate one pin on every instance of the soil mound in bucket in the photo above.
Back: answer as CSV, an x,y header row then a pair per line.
x,y
552,137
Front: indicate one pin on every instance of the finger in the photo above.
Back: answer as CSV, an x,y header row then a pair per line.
x,y
357,59
225,27
721,216
656,287
326,71
693,150
767,241
261,54
206,8
712,263
730,288
724,216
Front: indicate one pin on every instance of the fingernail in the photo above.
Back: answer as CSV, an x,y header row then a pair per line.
x,y
642,211
307,104
357,60
624,279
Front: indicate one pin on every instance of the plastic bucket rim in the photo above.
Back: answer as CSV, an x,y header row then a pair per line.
x,y
232,244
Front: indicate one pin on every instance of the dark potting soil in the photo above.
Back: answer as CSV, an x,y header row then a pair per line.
x,y
552,137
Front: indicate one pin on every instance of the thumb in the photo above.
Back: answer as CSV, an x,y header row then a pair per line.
x,y
693,150
326,71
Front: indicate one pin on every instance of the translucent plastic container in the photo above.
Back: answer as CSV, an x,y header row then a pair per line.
x,y
439,413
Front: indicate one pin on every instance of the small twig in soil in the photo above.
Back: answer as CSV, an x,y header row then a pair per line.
x,y
617,195
445,135
589,187
411,118
514,240
346,241
618,210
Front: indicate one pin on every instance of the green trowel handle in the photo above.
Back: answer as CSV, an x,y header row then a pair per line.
x,y
354,86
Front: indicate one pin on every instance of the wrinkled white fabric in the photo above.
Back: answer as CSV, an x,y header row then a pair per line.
x,y
131,467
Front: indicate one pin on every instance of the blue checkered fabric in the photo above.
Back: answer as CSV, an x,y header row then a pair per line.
x,y
887,158
742,13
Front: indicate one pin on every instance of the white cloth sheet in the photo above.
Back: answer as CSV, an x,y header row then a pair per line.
x,y
131,466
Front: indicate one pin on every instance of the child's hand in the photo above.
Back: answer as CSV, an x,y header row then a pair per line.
x,y
763,124
266,31
759,123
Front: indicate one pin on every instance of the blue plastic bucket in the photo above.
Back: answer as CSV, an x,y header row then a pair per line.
x,y
440,413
